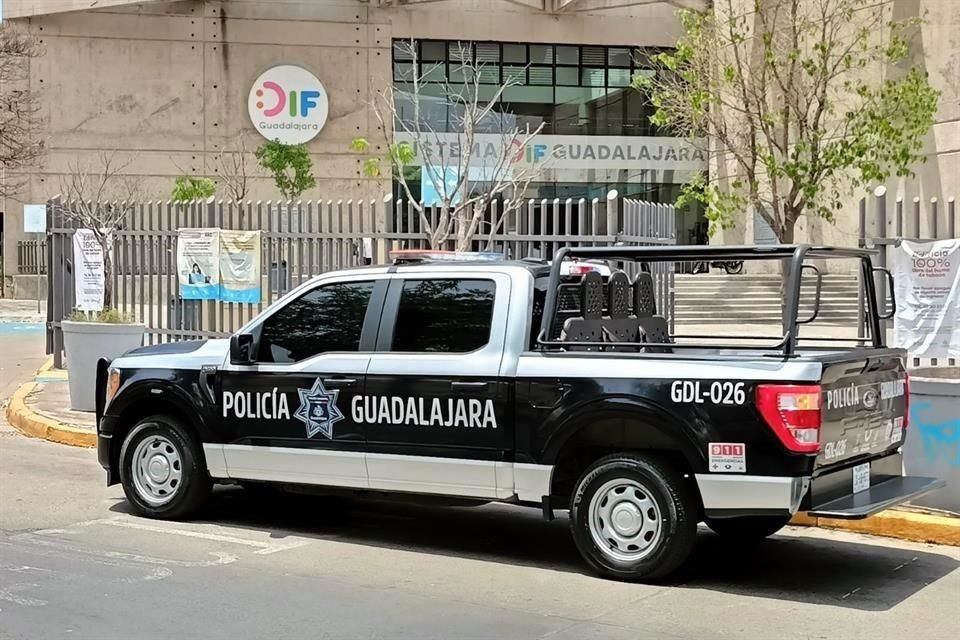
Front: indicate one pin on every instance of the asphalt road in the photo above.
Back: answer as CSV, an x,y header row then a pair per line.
x,y
75,564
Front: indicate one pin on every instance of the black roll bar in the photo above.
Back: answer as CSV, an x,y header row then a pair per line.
x,y
796,254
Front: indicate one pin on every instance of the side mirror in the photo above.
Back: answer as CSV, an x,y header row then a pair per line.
x,y
241,349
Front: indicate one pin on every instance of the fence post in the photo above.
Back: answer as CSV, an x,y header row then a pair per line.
x,y
951,217
880,193
934,218
613,213
210,220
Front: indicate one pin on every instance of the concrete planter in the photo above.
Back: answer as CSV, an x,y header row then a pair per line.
x,y
932,448
84,344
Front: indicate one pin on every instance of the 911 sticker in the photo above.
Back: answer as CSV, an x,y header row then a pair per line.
x,y
897,435
728,457
693,392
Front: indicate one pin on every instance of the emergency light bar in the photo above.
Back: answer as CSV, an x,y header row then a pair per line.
x,y
433,255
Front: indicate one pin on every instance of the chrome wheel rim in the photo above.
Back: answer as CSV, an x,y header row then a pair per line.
x,y
625,521
157,470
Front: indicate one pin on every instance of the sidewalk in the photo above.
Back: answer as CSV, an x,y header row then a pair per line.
x,y
41,409
14,312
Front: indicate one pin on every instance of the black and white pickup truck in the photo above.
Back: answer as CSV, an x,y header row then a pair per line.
x,y
529,383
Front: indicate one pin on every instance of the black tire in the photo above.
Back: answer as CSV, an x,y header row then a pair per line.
x,y
192,486
747,528
733,268
671,495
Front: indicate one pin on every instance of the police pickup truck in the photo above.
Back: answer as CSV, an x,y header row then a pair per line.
x,y
526,382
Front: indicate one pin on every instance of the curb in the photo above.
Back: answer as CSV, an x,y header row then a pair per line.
x,y
35,425
893,523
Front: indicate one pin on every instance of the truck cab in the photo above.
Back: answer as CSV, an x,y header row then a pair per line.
x,y
522,382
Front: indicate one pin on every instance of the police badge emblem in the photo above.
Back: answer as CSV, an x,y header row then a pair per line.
x,y
318,410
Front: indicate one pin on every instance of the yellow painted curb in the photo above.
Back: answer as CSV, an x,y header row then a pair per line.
x,y
35,425
905,525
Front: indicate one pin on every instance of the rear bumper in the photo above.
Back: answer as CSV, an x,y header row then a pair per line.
x,y
730,496
882,496
828,494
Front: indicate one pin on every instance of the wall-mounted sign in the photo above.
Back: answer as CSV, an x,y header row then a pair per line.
x,y
288,103
35,218
569,158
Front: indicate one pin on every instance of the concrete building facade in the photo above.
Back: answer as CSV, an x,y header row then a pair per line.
x,y
167,84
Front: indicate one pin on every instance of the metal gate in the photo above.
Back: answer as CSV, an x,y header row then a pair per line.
x,y
302,240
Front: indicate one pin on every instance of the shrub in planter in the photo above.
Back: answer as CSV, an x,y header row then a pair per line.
x,y
87,337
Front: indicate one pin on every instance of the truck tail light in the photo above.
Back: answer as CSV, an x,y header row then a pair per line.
x,y
793,412
906,399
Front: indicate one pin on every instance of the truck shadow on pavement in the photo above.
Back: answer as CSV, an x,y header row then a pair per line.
x,y
792,566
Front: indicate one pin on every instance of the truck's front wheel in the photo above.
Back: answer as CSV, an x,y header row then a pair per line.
x,y
162,470
747,528
633,517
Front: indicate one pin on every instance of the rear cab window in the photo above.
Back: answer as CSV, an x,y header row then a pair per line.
x,y
443,315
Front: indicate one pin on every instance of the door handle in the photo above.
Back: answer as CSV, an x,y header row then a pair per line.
x,y
339,382
468,386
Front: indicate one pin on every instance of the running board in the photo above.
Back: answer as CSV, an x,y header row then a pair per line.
x,y
877,498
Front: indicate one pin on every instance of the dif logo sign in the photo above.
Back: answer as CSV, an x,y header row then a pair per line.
x,y
288,103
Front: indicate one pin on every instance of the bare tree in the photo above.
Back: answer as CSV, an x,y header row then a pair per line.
x,y
481,159
98,195
20,120
232,169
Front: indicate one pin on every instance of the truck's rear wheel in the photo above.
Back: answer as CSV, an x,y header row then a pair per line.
x,y
161,469
746,528
633,517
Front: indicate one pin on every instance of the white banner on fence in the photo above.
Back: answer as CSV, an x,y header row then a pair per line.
x,y
88,271
239,266
927,276
198,263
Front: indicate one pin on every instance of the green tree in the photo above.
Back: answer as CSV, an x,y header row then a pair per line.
x,y
790,95
289,165
189,188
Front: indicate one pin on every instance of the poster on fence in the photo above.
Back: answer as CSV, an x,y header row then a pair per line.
x,y
927,277
240,266
198,263
88,281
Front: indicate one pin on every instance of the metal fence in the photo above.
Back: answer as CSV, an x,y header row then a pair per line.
x,y
882,227
31,258
302,240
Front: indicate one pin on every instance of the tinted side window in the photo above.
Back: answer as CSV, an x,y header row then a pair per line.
x,y
325,319
446,316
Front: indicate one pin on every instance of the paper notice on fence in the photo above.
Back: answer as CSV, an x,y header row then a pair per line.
x,y
198,263
927,276
240,266
88,281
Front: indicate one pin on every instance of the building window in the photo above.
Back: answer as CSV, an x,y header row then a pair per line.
x,y
570,89
323,320
444,316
